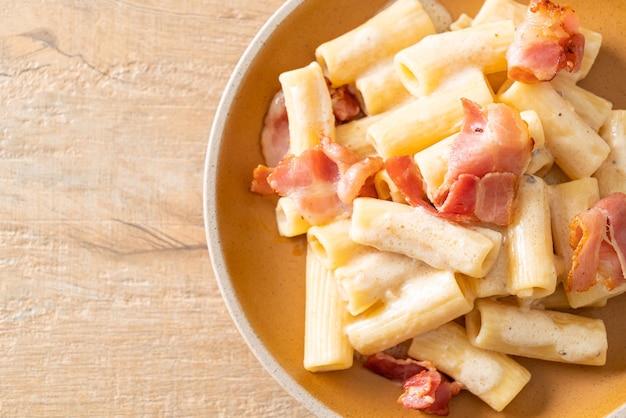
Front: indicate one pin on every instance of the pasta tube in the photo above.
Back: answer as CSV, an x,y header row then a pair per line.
x,y
433,163
422,122
541,160
593,109
332,244
493,377
353,135
496,10
496,281
326,346
577,149
369,276
401,24
612,173
593,42
536,333
309,107
531,259
464,21
566,200
289,221
596,295
381,88
419,234
423,67
424,302
557,300
386,188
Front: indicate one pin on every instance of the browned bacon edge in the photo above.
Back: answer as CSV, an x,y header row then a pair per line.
x,y
425,388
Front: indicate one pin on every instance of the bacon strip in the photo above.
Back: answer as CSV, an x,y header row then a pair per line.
x,y
407,177
322,181
429,391
354,179
345,105
598,237
495,197
486,160
275,133
310,180
405,174
425,388
546,42
462,195
397,370
340,155
260,183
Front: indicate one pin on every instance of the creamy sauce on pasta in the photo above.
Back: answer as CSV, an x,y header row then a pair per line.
x,y
440,16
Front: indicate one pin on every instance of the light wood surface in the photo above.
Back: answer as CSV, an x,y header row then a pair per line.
x,y
108,304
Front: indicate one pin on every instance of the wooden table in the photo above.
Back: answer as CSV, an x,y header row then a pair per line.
x,y
108,304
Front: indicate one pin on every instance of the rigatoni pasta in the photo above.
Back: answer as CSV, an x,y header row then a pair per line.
x,y
576,147
542,159
566,200
425,121
368,276
309,107
492,376
596,295
496,282
593,109
353,135
537,333
416,233
427,300
332,244
381,88
531,261
611,175
393,267
401,24
593,42
288,220
424,66
326,345
496,10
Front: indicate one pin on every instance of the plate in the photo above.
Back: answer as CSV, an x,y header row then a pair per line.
x,y
261,275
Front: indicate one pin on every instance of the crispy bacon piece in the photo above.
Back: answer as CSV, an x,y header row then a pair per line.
x,y
546,42
598,237
310,179
397,370
355,174
345,106
322,181
429,391
495,197
354,180
260,184
405,174
340,155
462,195
407,177
425,388
275,133
486,160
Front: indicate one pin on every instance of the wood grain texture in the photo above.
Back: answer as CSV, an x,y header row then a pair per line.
x,y
108,304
